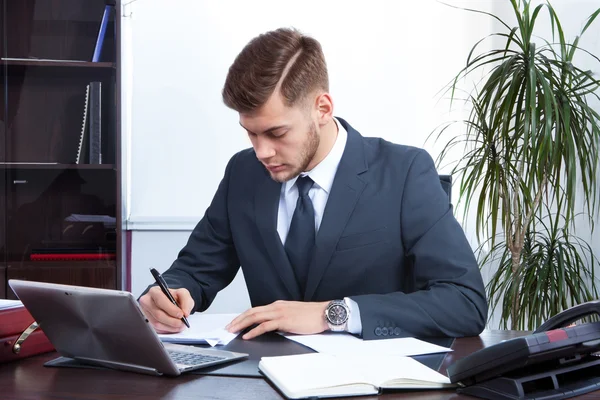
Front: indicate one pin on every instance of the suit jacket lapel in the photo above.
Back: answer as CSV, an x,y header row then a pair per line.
x,y
266,204
345,192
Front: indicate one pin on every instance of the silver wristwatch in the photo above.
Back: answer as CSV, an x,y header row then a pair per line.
x,y
337,314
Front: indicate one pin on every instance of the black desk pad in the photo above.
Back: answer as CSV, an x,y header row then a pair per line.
x,y
272,344
267,345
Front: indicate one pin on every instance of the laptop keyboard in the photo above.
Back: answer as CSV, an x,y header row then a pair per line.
x,y
192,359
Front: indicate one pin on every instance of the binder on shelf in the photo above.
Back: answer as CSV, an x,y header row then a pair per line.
x,y
74,250
81,153
73,257
66,252
95,123
101,33
19,337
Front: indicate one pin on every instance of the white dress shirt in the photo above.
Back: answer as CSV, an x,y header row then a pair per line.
x,y
322,176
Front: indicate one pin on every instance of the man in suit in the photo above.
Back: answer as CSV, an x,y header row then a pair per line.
x,y
333,231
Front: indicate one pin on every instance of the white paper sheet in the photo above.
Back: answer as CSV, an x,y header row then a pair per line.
x,y
204,328
344,344
6,304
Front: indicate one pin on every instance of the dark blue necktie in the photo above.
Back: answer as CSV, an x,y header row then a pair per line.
x,y
301,237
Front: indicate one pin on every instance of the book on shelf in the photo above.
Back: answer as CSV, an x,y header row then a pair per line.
x,y
325,375
89,148
92,253
102,32
72,256
82,137
95,116
73,250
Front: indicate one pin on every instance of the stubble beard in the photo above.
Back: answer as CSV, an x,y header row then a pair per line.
x,y
306,155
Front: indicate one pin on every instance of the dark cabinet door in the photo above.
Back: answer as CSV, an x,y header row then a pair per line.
x,y
3,172
100,274
3,212
3,279
3,93
58,205
61,225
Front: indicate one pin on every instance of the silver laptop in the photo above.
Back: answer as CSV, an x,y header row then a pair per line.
x,y
107,328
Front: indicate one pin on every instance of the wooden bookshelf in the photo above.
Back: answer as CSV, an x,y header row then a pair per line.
x,y
58,64
49,200
57,166
89,273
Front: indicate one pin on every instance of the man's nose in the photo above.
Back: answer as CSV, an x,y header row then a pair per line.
x,y
263,148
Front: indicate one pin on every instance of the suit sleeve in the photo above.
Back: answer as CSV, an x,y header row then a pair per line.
x,y
449,299
208,262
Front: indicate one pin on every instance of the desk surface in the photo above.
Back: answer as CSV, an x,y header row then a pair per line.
x,y
28,379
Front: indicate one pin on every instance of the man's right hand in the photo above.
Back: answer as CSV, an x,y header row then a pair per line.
x,y
165,316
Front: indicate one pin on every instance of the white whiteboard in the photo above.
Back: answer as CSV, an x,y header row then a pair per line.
x,y
387,60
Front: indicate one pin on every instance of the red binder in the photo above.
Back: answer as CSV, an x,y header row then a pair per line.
x,y
13,322
72,257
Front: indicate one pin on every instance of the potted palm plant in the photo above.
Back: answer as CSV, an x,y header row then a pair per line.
x,y
530,160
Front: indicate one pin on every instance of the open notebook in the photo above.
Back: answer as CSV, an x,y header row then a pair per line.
x,y
326,375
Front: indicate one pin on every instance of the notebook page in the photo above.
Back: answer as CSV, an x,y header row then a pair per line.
x,y
314,374
396,371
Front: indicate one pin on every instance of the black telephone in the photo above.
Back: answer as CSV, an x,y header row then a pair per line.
x,y
554,362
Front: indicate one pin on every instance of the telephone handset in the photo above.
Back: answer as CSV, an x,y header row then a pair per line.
x,y
554,362
570,315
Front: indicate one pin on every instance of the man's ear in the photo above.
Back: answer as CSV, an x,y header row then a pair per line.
x,y
324,108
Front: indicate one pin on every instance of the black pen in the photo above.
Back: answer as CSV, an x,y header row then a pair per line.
x,y
165,289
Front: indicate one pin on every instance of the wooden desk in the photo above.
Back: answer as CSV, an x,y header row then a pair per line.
x,y
28,380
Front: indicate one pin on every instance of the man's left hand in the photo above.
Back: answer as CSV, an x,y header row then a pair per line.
x,y
286,316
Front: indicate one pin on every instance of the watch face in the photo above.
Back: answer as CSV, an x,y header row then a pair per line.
x,y
337,314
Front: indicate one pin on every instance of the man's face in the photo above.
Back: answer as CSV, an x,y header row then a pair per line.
x,y
285,139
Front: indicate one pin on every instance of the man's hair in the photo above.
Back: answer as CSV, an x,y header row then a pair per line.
x,y
283,59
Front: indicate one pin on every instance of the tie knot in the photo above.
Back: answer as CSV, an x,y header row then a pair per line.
x,y
304,184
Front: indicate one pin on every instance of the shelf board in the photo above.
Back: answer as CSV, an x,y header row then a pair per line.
x,y
13,264
58,64
56,166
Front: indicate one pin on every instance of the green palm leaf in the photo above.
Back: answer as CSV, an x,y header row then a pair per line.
x,y
530,149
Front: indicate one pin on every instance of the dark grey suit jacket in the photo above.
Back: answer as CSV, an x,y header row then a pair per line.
x,y
388,239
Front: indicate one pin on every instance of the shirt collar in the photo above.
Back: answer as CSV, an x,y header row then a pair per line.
x,y
323,173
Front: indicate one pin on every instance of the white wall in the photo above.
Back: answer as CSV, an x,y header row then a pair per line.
x,y
387,61
158,249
